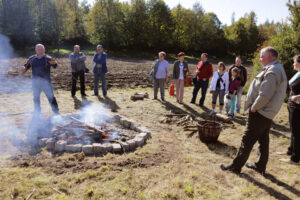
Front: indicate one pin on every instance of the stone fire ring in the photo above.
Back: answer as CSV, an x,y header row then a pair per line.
x,y
99,149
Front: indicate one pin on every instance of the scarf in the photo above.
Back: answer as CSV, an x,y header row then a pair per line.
x,y
294,78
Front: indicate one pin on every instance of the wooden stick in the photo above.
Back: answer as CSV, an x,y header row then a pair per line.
x,y
93,128
172,115
30,195
59,192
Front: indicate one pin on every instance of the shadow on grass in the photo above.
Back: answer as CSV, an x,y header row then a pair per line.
x,y
274,180
110,103
79,104
271,191
240,120
280,127
278,134
222,149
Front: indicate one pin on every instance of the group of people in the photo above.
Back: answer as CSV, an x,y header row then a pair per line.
x,y
264,98
230,83
41,64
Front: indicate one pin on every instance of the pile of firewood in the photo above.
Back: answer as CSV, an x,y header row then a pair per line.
x,y
178,119
76,130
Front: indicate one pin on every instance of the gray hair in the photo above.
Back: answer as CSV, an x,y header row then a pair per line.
x,y
270,50
162,53
76,46
99,46
204,54
40,45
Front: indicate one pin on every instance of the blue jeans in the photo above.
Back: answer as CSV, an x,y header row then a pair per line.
x,y
203,85
232,105
96,82
40,85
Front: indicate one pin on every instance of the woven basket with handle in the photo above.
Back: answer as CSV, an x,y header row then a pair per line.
x,y
209,131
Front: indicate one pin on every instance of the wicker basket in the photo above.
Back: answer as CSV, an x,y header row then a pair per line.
x,y
209,131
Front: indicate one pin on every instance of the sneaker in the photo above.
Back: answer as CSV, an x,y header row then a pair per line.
x,y
289,161
230,116
220,112
155,98
212,112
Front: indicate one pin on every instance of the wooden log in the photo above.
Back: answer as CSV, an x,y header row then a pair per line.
x,y
59,192
137,97
30,195
223,118
174,115
93,128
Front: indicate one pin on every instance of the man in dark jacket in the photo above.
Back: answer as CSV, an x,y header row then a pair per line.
x,y
78,68
204,72
243,78
100,69
41,80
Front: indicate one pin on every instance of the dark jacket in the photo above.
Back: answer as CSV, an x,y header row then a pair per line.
x,y
242,75
176,69
77,61
40,66
100,60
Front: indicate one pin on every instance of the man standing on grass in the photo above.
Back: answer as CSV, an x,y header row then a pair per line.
x,y
100,69
264,99
204,72
243,79
161,73
41,80
78,69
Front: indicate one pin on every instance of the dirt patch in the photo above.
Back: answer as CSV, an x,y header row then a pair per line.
x,y
79,162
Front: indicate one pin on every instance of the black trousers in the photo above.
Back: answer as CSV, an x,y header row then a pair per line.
x,y
203,85
75,76
294,116
257,129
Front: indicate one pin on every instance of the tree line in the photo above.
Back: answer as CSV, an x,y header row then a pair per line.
x,y
139,25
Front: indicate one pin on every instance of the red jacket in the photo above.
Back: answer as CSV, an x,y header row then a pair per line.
x,y
206,72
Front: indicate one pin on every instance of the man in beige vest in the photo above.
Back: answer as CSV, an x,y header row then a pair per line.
x,y
264,99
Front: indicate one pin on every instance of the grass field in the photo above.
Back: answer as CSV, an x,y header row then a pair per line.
x,y
172,165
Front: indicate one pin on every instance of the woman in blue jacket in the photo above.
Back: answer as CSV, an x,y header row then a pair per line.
x,y
100,69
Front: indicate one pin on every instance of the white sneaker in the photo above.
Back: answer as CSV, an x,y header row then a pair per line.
x,y
212,112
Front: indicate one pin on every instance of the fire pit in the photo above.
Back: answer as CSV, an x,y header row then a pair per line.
x,y
115,135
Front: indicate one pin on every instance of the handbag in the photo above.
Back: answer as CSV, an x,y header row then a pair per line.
x,y
195,79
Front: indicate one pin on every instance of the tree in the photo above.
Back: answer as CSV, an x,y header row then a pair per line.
x,y
106,24
16,21
137,24
160,25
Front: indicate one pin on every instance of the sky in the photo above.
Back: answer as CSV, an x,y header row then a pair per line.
x,y
265,9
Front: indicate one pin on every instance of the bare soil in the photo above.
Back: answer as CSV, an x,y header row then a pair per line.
x,y
174,164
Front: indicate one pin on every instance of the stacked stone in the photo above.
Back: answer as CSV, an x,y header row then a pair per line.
x,y
98,149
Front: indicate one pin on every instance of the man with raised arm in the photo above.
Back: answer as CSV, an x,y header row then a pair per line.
x,y
40,63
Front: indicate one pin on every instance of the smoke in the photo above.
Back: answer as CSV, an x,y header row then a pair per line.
x,y
6,50
19,126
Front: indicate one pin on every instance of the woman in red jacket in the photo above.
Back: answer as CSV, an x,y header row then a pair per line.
x,y
204,72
